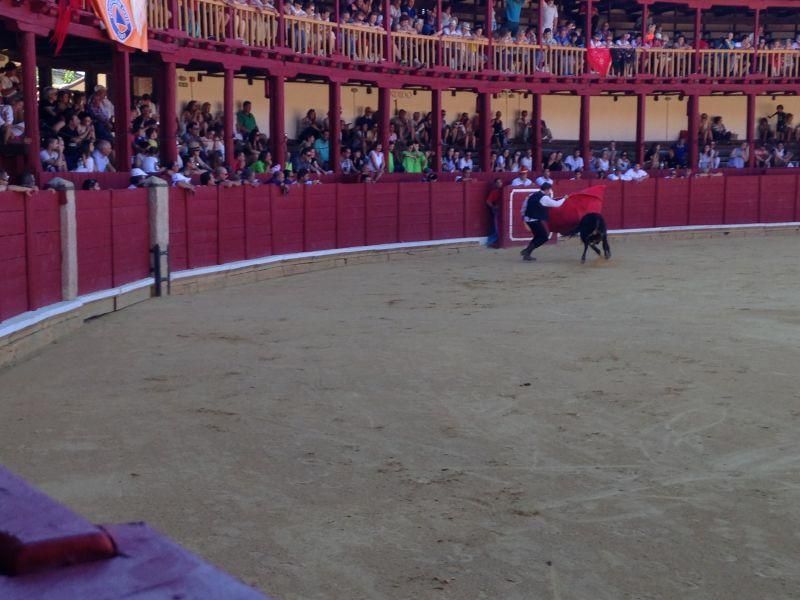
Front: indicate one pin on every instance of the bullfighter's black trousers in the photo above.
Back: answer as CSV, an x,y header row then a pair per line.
x,y
540,235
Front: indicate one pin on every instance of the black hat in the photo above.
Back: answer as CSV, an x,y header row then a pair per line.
x,y
546,186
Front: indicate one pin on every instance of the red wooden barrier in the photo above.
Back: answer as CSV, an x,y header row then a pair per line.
x,y
447,211
706,200
476,214
288,230
131,234
382,212
178,240
202,227
258,221
231,225
13,265
778,197
351,216
320,217
414,211
612,205
741,199
672,202
639,204
43,227
95,248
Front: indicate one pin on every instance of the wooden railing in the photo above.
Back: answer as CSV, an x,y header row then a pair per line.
x,y
253,27
158,14
413,50
310,36
563,60
362,43
658,62
204,19
726,63
778,63
461,54
520,59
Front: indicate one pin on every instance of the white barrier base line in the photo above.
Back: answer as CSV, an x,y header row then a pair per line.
x,y
253,262
32,317
705,227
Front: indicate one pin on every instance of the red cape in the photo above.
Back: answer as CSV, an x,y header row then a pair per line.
x,y
566,217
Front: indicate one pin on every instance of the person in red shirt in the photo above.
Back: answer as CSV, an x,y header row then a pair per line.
x,y
493,203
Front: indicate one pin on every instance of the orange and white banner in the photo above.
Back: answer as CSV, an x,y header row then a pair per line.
x,y
125,21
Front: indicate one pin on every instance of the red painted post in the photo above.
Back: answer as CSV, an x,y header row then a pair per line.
x,y
169,117
487,31
536,133
438,23
277,130
335,123
585,131
698,35
436,128
30,106
587,34
485,131
693,107
385,114
756,25
337,40
122,107
751,129
281,25
174,18
640,125
388,51
228,111
644,20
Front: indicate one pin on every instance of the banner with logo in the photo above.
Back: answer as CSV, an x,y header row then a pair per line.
x,y
125,21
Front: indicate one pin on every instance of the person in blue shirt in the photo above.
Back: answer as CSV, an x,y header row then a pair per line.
x,y
513,12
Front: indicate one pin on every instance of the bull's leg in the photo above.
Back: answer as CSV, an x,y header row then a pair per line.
x,y
596,249
585,249
606,247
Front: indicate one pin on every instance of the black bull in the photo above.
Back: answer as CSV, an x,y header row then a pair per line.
x,y
593,231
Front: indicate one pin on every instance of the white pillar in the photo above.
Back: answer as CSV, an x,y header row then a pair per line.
x,y
69,237
158,201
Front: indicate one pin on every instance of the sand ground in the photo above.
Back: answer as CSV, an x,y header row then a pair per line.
x,y
452,426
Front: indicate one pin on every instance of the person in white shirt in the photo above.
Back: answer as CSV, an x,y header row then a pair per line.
x,y
526,162
535,212
180,177
100,155
575,161
544,178
636,173
137,178
549,13
602,163
465,162
150,161
615,175
522,180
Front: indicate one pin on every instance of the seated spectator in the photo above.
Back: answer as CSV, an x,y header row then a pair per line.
x,y
207,179
85,160
429,176
781,157
739,156
636,173
652,159
150,161
615,175
376,162
623,162
138,177
544,178
179,176
346,166
763,157
414,160
9,80
102,163
6,186
718,131
574,162
246,120
709,158
223,178
248,177
602,163
465,176
449,161
194,161
322,148
12,125
522,179
465,162
263,164
526,162
51,157
90,185
577,175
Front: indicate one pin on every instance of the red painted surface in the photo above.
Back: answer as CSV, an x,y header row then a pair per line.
x,y
639,204
43,241
476,213
741,200
320,217
258,221
95,249
382,212
13,265
178,240
447,210
232,234
414,210
131,234
612,204
202,228
288,211
707,201
672,202
778,197
351,215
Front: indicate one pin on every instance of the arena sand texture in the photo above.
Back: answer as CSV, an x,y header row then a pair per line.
x,y
457,425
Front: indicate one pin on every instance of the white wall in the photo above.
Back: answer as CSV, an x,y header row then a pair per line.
x,y
732,109
611,120
563,116
665,118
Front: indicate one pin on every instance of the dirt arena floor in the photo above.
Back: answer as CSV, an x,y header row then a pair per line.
x,y
462,426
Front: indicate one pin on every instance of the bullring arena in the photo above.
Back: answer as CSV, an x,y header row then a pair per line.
x,y
448,423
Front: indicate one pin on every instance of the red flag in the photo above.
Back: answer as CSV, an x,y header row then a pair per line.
x,y
566,217
65,8
599,60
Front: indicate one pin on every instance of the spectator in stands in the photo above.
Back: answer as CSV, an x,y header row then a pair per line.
x,y
322,148
718,131
413,160
493,201
466,162
90,185
704,130
636,173
12,126
602,163
9,80
781,157
681,153
763,157
513,13
652,159
764,131
102,112
180,177
499,133
522,180
137,178
574,162
246,120
780,122
623,162
739,156
377,162
6,186
51,158
544,178
615,174
263,164
709,158
194,160
465,176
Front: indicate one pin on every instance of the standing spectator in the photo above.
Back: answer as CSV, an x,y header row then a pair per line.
x,y
376,162
246,120
12,126
493,204
550,16
780,122
102,112
681,153
322,146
